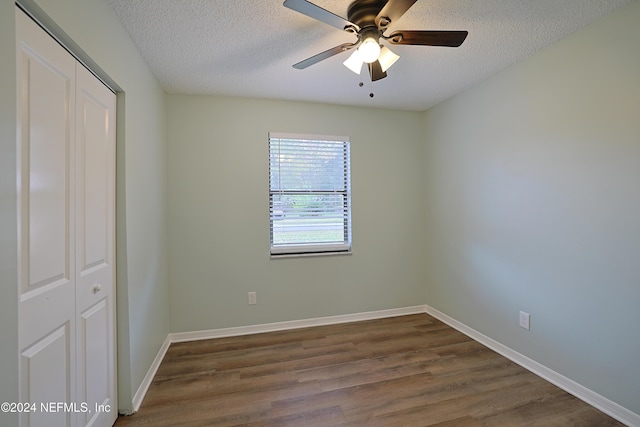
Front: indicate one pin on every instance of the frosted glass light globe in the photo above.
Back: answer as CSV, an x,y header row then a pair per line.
x,y
369,50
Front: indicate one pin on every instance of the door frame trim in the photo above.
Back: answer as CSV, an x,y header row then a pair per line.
x,y
58,34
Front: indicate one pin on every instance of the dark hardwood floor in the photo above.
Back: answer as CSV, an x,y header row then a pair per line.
x,y
401,371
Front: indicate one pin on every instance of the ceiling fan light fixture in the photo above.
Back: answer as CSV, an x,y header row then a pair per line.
x,y
387,58
354,62
368,20
369,50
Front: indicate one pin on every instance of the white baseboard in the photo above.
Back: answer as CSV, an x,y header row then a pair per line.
x,y
293,324
146,381
594,399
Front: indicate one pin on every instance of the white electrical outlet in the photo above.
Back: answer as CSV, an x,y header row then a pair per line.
x,y
524,320
252,298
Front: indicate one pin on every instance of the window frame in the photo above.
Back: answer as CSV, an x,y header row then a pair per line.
x,y
312,248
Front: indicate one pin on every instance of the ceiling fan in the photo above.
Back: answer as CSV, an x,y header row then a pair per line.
x,y
368,20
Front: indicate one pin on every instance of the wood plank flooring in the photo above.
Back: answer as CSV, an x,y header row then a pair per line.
x,y
401,371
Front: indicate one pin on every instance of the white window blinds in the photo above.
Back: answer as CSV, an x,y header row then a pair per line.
x,y
309,194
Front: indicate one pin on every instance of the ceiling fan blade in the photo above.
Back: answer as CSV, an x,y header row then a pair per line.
x,y
393,10
323,55
319,14
375,71
428,38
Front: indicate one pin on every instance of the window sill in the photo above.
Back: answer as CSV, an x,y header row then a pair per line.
x,y
309,254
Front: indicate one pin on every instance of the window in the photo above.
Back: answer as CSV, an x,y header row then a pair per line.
x,y
309,194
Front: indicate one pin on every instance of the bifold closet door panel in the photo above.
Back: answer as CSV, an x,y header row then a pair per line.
x,y
46,193
95,251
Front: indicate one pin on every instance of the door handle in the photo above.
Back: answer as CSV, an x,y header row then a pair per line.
x,y
97,288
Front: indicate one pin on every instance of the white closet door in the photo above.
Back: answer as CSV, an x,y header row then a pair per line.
x,y
46,175
66,167
95,252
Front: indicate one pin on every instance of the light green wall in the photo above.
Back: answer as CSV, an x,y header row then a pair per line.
x,y
533,203
8,220
142,267
218,214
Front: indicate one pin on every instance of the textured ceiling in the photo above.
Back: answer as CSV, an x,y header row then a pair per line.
x,y
247,47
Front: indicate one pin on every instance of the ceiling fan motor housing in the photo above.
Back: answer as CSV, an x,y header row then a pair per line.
x,y
363,13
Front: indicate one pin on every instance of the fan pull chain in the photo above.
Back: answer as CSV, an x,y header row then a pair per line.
x,y
371,94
